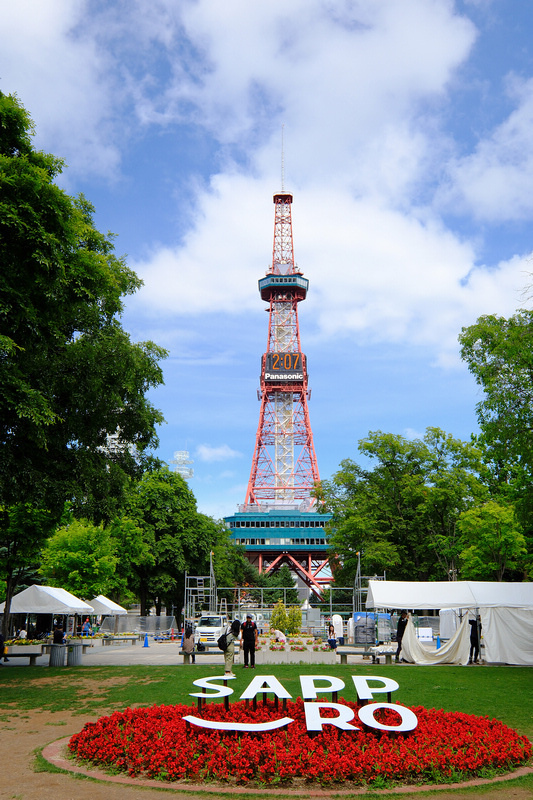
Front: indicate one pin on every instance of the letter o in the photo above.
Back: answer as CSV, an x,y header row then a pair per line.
x,y
408,723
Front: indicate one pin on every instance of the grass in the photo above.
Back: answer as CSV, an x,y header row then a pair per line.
x,y
504,693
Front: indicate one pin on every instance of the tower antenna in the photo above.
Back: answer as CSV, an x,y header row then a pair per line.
x,y
282,158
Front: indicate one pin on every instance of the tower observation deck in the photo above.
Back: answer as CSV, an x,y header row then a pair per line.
x,y
284,465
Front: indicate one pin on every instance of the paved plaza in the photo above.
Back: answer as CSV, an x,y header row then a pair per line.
x,y
156,654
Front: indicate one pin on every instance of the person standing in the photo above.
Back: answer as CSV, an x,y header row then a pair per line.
x,y
400,630
86,628
232,634
249,640
188,643
475,629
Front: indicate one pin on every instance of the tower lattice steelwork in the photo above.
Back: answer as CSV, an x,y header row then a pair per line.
x,y
278,523
284,465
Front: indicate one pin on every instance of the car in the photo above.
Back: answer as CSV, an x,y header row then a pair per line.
x,y
210,628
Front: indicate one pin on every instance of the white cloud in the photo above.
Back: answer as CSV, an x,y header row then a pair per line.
x,y
494,182
63,79
206,452
358,84
221,257
378,273
412,434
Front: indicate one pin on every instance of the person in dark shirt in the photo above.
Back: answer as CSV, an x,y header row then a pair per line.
x,y
475,629
249,640
402,624
59,636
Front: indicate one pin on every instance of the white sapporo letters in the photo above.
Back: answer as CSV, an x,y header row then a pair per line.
x,y
311,686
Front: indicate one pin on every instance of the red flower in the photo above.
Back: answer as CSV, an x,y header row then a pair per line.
x,y
156,742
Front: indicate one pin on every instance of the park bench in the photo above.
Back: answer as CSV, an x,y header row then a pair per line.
x,y
31,656
108,640
366,654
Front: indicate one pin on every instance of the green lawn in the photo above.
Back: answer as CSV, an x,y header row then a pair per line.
x,y
504,693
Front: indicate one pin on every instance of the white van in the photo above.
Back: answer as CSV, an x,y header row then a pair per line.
x,y
210,628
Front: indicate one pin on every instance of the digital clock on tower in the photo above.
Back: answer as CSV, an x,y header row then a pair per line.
x,y
284,367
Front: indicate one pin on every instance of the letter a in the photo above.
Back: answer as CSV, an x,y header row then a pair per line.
x,y
264,683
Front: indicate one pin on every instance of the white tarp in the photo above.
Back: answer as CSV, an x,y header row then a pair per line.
x,y
508,635
47,600
103,605
456,651
506,610
448,594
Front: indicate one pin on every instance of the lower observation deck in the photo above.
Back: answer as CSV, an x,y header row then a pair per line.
x,y
284,535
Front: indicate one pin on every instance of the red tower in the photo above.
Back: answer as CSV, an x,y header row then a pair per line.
x,y
284,465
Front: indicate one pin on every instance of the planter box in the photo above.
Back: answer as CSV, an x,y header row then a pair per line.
x,y
24,649
264,657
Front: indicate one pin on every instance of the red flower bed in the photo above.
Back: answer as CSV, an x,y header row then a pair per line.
x,y
154,742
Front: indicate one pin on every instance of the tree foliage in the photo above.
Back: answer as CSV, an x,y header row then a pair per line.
x,y
81,558
180,539
22,530
499,353
401,515
278,619
294,620
74,417
75,422
494,542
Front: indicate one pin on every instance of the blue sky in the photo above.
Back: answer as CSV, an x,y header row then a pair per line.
x,y
408,130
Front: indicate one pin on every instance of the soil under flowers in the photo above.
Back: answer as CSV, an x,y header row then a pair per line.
x,y
155,742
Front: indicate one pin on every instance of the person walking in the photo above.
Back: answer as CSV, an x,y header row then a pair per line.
x,y
249,641
232,634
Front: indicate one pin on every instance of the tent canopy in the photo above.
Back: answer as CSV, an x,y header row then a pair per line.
x,y
103,605
448,594
47,600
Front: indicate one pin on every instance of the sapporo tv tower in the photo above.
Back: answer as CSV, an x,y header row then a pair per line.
x,y
278,522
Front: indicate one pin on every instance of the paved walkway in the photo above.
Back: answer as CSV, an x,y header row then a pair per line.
x,y
157,654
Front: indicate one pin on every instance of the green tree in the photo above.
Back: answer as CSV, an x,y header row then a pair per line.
x,y
282,578
22,528
294,620
179,538
499,353
279,620
133,555
493,541
401,515
81,558
75,421
232,567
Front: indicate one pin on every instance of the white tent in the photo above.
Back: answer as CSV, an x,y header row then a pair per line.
x,y
506,611
103,605
47,600
448,594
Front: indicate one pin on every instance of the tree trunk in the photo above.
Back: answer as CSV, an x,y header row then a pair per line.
x,y
10,586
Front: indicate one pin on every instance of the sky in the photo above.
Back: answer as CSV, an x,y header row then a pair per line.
x,y
408,147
